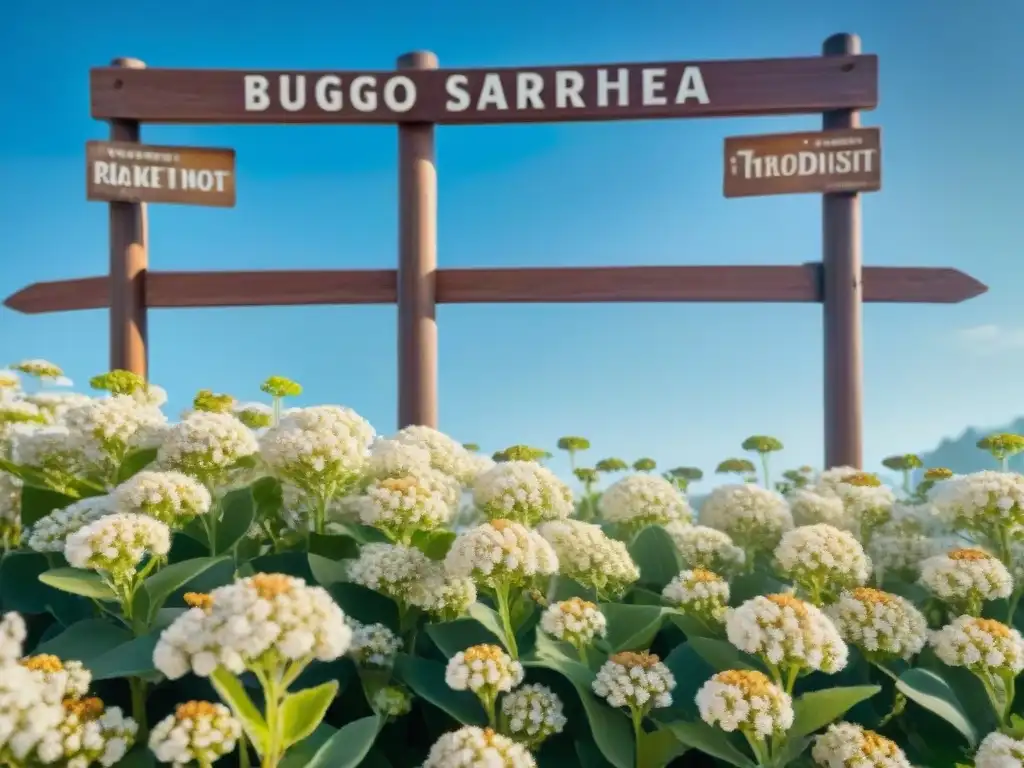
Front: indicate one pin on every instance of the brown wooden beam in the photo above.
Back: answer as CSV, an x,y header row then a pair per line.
x,y
768,284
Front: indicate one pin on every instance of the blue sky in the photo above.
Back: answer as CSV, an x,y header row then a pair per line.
x,y
682,383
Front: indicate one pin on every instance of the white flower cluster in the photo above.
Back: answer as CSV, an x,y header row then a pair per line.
x,y
170,497
639,681
10,506
574,621
49,449
71,678
985,502
753,516
984,646
486,670
522,491
828,482
103,431
373,645
409,577
703,547
821,556
809,508
745,701
966,577
392,701
787,632
269,615
472,747
207,446
867,505
53,405
900,554
446,455
643,499
30,710
699,592
880,624
588,556
997,750
533,713
198,732
50,533
395,458
501,552
117,543
418,502
846,745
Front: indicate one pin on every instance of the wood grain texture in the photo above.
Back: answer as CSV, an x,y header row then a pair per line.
x,y
759,284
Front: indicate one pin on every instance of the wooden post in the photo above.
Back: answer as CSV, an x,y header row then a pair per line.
x,y
128,263
843,297
417,262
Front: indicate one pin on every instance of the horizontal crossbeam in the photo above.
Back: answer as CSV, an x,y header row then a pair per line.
x,y
555,285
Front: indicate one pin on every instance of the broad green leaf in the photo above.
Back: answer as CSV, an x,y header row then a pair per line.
x,y
426,679
434,544
658,748
365,605
303,711
817,709
238,512
711,741
723,655
300,755
20,587
86,640
750,585
169,579
933,693
37,503
349,746
232,693
333,547
79,582
656,555
693,627
135,462
327,571
290,563
633,627
490,619
453,636
132,659
139,757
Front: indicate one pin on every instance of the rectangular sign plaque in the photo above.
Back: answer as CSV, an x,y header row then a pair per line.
x,y
140,173
814,162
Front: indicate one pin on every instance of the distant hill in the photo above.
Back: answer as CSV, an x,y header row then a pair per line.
x,y
961,454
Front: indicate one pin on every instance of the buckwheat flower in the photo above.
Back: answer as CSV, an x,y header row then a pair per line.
x,y
10,510
637,501
198,732
753,516
822,560
207,446
392,701
257,623
702,547
522,491
255,416
574,621
71,677
790,635
638,681
588,556
487,671
150,395
400,506
966,578
847,745
868,503
987,503
532,713
50,533
444,596
472,747
828,481
104,431
12,637
984,646
883,626
89,733
396,458
373,645
446,455
997,750
700,593
49,449
116,544
901,554
809,508
53,405
500,553
170,497
745,701
15,413
391,569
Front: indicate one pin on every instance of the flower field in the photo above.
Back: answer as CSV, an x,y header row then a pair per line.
x,y
257,585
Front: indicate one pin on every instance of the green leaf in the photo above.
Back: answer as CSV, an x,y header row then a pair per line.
x,y
302,753
37,503
711,741
131,659
930,691
365,605
135,462
817,709
139,757
232,693
333,547
656,555
750,585
303,711
169,579
426,679
658,748
434,544
326,571
238,512
349,746
79,582
453,636
723,655
490,619
86,640
20,587
633,627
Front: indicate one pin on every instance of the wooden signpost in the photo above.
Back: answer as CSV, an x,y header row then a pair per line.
x,y
417,96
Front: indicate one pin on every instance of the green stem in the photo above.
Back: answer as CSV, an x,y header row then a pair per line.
x,y
582,653
210,522
489,701
791,677
764,467
501,593
638,732
762,753
272,695
138,692
243,750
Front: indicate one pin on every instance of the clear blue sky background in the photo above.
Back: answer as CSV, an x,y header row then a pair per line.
x,y
685,383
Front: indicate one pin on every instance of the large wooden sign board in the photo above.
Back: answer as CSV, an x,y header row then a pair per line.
x,y
417,96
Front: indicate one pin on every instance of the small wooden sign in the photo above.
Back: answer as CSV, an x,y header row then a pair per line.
x,y
140,173
793,163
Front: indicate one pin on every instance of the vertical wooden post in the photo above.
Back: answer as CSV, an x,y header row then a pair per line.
x,y
417,262
128,264
843,297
